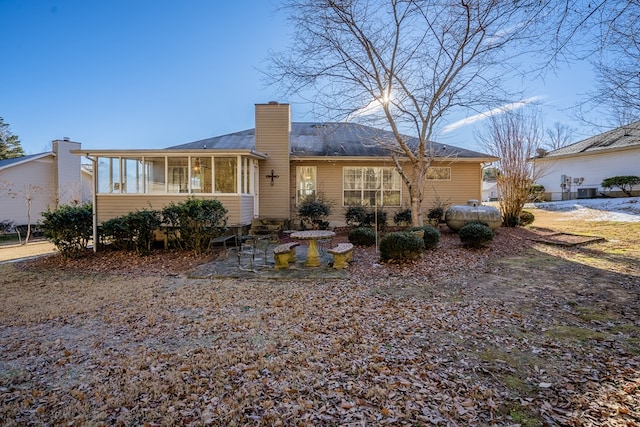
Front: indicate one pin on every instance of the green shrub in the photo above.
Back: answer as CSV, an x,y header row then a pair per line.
x,y
355,216
313,213
526,218
402,217
536,193
431,236
197,221
370,219
6,226
625,183
401,246
436,214
133,231
475,234
362,236
360,216
115,232
69,228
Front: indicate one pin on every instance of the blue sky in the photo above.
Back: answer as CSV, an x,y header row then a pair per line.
x,y
156,73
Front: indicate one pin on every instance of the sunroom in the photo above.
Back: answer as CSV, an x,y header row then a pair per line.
x,y
125,181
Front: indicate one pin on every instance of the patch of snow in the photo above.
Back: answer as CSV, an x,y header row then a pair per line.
x,y
623,209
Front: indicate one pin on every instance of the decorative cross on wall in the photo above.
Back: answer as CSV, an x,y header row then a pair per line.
x,y
273,176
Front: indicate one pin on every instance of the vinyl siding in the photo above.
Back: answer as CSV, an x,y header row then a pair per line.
x,y
34,178
272,137
593,167
465,184
114,205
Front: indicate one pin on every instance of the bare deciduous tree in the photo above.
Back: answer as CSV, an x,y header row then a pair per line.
x,y
618,66
514,137
559,136
28,193
405,63
607,34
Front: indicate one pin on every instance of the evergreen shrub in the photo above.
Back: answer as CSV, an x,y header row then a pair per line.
x,y
133,231
431,236
197,222
402,217
362,236
475,234
401,245
526,218
69,228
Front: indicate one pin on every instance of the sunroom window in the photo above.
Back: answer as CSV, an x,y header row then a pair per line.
x,y
226,175
170,174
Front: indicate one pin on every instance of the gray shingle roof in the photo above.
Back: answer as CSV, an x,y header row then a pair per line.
x,y
622,137
310,139
12,161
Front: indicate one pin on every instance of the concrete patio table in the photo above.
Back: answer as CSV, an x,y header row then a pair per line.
x,y
313,257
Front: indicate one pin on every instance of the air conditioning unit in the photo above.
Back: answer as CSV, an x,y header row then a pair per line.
x,y
587,193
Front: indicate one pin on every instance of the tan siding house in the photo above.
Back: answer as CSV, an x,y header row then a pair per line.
x,y
264,173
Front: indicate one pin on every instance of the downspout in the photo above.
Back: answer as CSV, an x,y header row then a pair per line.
x,y
94,199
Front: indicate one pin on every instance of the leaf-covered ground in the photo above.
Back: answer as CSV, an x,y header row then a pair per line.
x,y
519,333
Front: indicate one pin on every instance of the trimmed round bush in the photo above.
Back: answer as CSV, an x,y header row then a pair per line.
x,y
431,236
526,218
362,236
475,234
401,245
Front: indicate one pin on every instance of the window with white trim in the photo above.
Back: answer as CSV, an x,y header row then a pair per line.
x,y
371,186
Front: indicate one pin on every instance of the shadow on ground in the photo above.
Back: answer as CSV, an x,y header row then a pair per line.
x,y
228,265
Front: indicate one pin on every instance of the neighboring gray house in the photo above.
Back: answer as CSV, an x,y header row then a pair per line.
x,y
46,179
577,170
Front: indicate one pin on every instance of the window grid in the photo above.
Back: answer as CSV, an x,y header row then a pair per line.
x,y
369,186
173,174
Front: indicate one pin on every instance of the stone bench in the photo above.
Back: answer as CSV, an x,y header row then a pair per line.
x,y
342,254
284,254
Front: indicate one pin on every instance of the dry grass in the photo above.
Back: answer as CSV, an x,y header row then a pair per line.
x,y
517,333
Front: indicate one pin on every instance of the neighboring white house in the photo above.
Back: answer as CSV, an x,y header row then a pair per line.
x,y
46,180
489,190
577,170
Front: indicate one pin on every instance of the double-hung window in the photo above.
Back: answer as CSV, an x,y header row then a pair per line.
x,y
371,186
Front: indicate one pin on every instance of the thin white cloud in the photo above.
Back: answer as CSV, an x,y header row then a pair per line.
x,y
498,110
373,107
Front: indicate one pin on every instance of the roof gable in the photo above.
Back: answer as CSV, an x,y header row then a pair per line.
x,y
623,137
312,139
